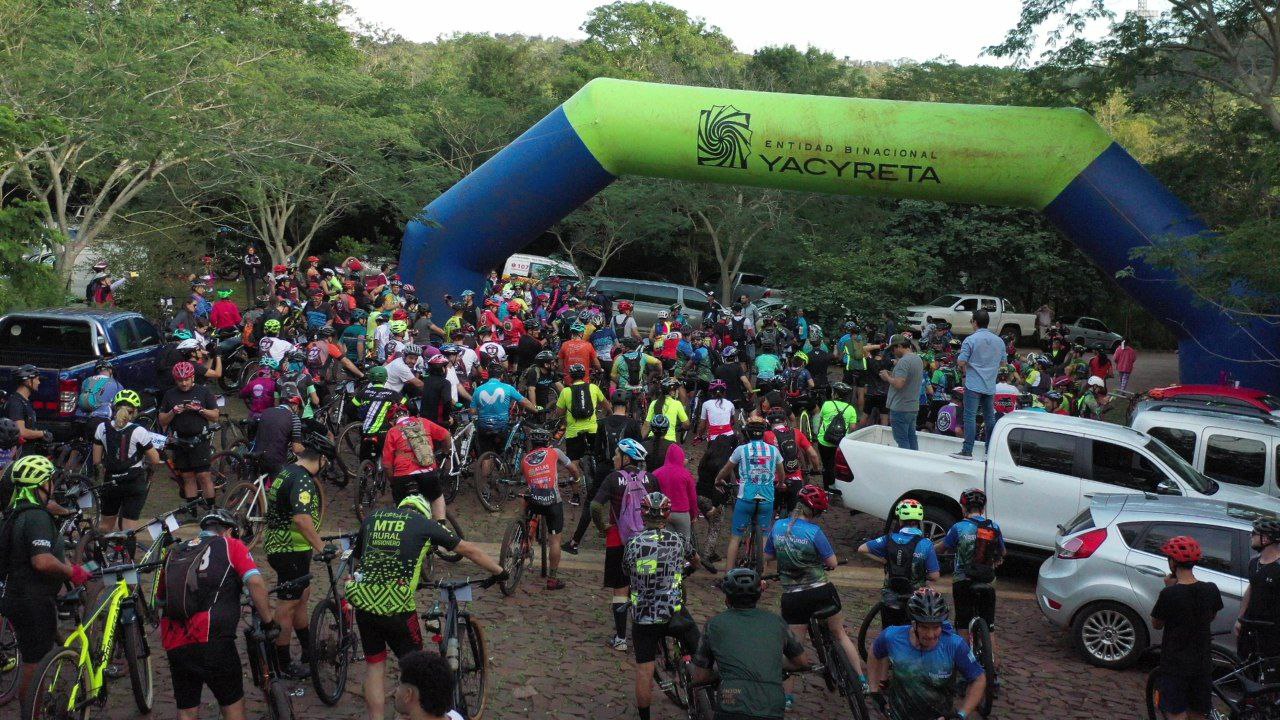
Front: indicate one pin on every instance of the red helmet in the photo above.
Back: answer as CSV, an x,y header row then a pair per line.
x,y
280,269
313,259
184,371
438,360
356,265
814,498
625,306
399,411
1182,549
513,307
399,314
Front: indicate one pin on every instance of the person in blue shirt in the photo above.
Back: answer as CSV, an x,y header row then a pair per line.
x,y
977,557
492,402
908,557
759,467
920,670
804,556
980,358
767,362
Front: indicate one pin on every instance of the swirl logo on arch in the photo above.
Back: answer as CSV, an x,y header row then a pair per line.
x,y
724,137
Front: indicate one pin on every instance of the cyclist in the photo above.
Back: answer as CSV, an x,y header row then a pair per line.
x,y
185,412
260,392
390,549
93,405
200,588
272,345
541,470
615,502
758,466
1262,598
294,372
655,560
836,418
279,432
908,558
668,405
403,369
492,402
578,404
576,351
804,556
624,325
733,373
767,363
33,565
409,458
798,455
292,536
19,409
1184,611
979,548
609,433
123,450
632,368
438,394
750,649
1094,400
798,384
541,382
924,659
716,416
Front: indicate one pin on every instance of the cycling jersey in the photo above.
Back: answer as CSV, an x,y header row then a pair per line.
x,y
925,683
223,570
603,341
961,538
767,365
576,352
802,550
398,457
923,561
540,468
731,373
579,426
675,412
718,412
400,373
275,348
492,402
757,469
542,382
655,561
376,401
631,369
293,492
391,546
278,428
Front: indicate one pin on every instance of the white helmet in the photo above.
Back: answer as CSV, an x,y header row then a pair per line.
x,y
1095,381
189,344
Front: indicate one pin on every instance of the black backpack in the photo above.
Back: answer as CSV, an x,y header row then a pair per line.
x,y
611,433
634,366
116,459
789,449
581,406
190,586
620,329
986,552
899,564
837,428
738,330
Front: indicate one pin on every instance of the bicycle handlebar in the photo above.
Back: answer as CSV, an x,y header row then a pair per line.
x,y
126,567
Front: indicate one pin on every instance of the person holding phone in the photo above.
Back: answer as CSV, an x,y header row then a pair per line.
x,y
185,413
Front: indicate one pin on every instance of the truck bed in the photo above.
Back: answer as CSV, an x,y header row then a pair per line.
x,y
932,443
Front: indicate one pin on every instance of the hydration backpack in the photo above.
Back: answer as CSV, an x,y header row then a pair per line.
x,y
633,366
88,400
630,521
899,568
419,443
189,585
837,428
986,552
581,406
117,461
789,449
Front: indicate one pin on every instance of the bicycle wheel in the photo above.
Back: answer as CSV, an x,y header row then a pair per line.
x,y
137,657
249,508
227,467
489,486
330,653
473,669
703,706
980,641
449,483
58,687
511,556
348,444
867,621
452,524
10,661
1153,698
667,673
369,488
279,703
821,639
845,677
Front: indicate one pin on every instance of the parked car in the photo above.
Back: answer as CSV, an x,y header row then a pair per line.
x,y
539,267
1241,450
1223,397
957,309
1107,571
753,285
1038,470
1091,332
650,297
65,343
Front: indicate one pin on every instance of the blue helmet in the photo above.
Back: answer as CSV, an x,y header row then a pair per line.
x,y
632,449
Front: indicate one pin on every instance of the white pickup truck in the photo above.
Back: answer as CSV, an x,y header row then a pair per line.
x,y
1039,471
957,309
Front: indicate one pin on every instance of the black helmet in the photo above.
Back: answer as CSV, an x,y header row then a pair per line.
x,y
630,343
9,434
540,437
659,422
973,498
841,388
741,587
577,371
670,383
315,439
295,356
545,356
326,331
756,429
26,372
221,517
1267,527
928,606
777,416
102,364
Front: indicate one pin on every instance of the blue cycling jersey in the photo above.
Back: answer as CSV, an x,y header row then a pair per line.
x,y
961,539
802,550
757,468
492,402
926,683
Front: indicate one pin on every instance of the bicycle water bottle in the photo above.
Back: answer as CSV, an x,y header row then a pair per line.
x,y
451,653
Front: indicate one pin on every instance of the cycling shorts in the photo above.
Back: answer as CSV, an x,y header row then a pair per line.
x,y
400,632
799,606
579,445
1179,694
35,623
490,440
191,458
426,484
742,510
645,637
214,663
290,566
970,604
554,513
125,499
614,577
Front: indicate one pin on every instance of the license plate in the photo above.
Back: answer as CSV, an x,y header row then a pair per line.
x,y
84,501
130,578
221,401
462,594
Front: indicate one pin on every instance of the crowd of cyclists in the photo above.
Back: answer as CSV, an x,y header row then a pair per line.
x,y
582,407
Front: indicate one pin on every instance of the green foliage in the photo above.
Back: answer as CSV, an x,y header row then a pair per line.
x,y
25,284
1235,269
813,72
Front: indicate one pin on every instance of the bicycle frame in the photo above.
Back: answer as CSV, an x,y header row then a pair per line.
x,y
461,448
116,603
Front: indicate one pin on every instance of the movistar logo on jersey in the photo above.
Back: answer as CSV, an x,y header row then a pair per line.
x,y
724,137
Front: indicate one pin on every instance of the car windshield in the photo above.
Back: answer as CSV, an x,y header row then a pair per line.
x,y
1008,307
944,301
1196,479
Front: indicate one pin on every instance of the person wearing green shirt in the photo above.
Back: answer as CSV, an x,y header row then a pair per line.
x,y
670,406
839,404
767,362
580,432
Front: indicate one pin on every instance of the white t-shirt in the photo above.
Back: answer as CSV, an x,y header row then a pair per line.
x,y
398,373
469,359
381,335
494,350
623,328
718,412
275,348
139,441
451,375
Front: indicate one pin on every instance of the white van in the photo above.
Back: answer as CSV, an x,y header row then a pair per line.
x,y
536,266
1241,450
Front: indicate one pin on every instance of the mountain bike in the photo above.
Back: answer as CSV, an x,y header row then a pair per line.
x,y
461,644
335,640
1245,689
671,671
492,484
890,606
836,668
460,460
73,677
517,546
980,643
751,547
264,668
372,484
10,662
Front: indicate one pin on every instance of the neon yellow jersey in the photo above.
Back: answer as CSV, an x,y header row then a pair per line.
x,y
675,412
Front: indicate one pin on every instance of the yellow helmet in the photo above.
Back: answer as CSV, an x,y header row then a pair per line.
x,y
31,471
416,502
127,397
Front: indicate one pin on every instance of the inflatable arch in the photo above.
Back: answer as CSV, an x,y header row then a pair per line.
x,y
1058,161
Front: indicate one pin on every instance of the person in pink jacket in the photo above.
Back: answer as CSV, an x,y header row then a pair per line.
x,y
677,483
1124,358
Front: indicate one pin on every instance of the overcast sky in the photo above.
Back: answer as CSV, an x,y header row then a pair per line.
x,y
857,29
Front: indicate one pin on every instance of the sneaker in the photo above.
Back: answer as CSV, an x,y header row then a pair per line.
x,y
619,644
962,456
297,671
555,584
570,547
834,491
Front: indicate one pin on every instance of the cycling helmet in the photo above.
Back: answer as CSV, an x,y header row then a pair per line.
x,y
670,383
508,294
973,498
1043,361
625,306
452,349
398,412
802,356
290,395
326,331
741,587
1095,381
909,509
1053,395
31,470
26,372
630,343
220,516
539,437
729,353
577,371
438,361
411,349
398,327
188,345
295,356
840,388
756,429
416,502
127,397
1267,527
928,606
632,449
718,386
655,507
545,356
663,314
102,364
577,327
815,332
814,498
584,316
319,443
271,326
777,416
660,422
9,433
184,371
1182,549
269,363
850,326
468,293
409,289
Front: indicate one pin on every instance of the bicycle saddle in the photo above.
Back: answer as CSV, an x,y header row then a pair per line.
x,y
825,612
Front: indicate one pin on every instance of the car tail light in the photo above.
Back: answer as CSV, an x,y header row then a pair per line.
x,y
1053,604
68,391
841,469
1082,546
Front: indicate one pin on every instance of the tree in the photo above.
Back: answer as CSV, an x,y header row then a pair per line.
x,y
648,41
625,213
730,219
813,72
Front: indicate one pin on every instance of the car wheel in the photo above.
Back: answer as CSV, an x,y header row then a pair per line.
x,y
1109,635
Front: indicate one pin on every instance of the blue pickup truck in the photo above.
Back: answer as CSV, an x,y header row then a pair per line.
x,y
65,343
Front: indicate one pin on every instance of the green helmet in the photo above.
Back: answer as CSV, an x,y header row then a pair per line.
x,y
224,294
127,397
577,327
271,325
31,471
909,509
416,502
270,362
377,374
399,326
182,334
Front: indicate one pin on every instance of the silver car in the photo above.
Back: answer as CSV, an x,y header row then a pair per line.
x,y
1091,332
1107,570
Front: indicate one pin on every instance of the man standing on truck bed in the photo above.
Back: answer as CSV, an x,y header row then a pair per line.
x,y
18,408
980,357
